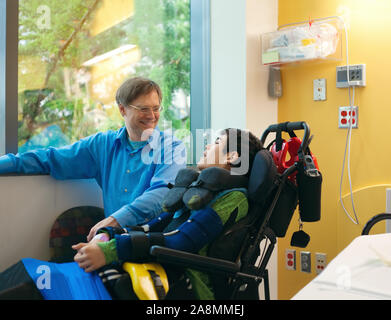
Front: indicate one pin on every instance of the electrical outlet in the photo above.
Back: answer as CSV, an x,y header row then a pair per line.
x,y
320,262
347,114
305,261
319,89
290,259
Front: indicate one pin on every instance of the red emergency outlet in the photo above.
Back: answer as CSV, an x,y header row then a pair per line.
x,y
347,115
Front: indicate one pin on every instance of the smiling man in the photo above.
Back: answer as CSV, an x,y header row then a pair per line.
x,y
139,101
132,165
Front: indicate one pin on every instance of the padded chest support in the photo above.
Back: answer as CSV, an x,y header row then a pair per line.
x,y
195,190
173,201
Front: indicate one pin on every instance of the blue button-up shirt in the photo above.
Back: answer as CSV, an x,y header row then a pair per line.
x,y
133,181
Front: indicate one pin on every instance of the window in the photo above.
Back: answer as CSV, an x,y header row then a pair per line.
x,y
71,56
74,54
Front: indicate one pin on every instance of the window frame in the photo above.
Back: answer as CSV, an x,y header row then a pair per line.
x,y
9,24
199,76
200,83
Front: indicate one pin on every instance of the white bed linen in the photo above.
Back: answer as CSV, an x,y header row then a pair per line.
x,y
361,271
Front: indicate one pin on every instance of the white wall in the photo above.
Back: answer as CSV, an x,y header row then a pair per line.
x,y
228,64
239,96
261,17
28,207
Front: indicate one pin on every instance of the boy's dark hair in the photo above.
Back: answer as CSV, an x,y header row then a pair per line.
x,y
132,88
246,145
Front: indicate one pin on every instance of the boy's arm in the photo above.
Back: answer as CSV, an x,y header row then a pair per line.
x,y
202,228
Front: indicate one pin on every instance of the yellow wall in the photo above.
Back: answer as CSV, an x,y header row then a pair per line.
x,y
369,25
109,73
109,13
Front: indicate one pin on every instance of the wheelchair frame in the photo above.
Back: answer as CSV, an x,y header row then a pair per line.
x,y
246,269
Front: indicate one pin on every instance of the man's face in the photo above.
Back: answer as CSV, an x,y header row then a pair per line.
x,y
140,124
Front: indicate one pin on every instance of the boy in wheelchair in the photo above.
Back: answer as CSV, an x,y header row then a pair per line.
x,y
197,209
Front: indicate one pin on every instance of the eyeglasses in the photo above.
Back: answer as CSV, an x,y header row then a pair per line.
x,y
146,110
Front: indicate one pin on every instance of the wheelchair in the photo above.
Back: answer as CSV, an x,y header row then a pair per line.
x,y
276,187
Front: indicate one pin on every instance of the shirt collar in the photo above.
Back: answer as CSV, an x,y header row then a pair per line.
x,y
119,134
153,139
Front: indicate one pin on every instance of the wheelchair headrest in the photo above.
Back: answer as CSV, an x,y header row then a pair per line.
x,y
262,176
196,189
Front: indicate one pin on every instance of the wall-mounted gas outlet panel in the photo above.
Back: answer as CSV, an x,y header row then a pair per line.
x,y
357,76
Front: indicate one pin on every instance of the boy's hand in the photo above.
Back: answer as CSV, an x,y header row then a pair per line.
x,y
89,256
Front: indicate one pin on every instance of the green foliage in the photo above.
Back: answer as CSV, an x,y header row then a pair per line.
x,y
44,27
161,29
163,34
46,24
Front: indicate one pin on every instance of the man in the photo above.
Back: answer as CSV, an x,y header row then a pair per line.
x,y
132,165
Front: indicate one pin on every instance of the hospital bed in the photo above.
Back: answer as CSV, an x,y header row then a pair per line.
x,y
362,271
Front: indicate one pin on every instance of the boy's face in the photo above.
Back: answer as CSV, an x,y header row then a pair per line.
x,y
215,155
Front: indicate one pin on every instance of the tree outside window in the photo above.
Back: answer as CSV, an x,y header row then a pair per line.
x,y
74,54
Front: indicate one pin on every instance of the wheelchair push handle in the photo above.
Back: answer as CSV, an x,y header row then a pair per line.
x,y
289,127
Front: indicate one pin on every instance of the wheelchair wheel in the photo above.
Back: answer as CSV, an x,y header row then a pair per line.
x,y
377,218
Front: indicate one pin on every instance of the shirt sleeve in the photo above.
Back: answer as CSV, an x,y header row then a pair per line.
x,y
205,225
149,204
225,205
75,161
7,165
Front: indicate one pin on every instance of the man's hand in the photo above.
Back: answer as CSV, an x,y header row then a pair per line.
x,y
89,256
108,222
